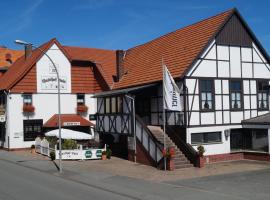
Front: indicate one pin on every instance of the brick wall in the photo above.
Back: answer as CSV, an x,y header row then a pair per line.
x,y
142,155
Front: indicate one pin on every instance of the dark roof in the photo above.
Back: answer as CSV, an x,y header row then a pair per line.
x,y
259,120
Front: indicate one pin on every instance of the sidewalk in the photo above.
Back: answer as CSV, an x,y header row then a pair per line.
x,y
120,167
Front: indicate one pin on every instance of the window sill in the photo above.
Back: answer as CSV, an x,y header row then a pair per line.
x,y
210,143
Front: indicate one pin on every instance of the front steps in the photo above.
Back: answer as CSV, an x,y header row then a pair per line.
x,y
180,159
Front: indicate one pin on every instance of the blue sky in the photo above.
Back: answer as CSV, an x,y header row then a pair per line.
x,y
117,24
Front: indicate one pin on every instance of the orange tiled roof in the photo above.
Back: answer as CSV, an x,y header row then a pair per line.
x,y
9,53
178,49
53,121
18,69
104,59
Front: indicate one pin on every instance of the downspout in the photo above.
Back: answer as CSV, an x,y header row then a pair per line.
x,y
7,127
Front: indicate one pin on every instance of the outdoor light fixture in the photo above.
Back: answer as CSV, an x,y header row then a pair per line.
x,y
25,44
227,133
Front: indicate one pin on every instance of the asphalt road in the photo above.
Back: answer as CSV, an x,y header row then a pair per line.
x,y
27,179
21,183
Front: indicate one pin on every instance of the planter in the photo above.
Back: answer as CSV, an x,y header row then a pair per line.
x,y
170,164
82,109
28,108
201,161
33,151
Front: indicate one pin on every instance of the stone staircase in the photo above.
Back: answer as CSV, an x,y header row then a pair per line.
x,y
180,159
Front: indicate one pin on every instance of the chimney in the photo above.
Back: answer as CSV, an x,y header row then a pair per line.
x,y
8,58
119,64
27,50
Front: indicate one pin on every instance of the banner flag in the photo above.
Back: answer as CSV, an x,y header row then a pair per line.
x,y
171,92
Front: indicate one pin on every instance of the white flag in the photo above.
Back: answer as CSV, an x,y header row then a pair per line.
x,y
171,92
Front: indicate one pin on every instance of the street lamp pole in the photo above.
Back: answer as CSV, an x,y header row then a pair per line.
x,y
20,42
134,127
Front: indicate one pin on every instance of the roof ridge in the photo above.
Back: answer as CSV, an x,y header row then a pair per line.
x,y
93,48
193,24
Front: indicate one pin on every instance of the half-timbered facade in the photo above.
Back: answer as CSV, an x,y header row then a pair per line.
x,y
223,72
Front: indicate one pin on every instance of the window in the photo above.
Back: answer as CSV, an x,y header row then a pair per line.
x,y
113,104
236,95
107,105
201,138
262,90
32,129
206,93
119,105
80,99
27,99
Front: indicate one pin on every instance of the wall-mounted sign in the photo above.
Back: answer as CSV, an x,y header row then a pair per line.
x,y
71,123
93,117
51,83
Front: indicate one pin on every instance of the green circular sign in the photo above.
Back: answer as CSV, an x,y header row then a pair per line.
x,y
99,153
88,154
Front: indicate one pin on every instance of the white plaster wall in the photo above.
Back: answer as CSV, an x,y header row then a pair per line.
x,y
235,62
215,148
45,107
207,68
44,71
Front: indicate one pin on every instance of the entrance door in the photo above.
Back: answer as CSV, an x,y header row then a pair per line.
x,y
236,140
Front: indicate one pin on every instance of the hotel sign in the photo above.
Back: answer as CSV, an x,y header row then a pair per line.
x,y
71,123
51,83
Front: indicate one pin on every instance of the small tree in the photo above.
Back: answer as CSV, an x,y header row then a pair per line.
x,y
69,144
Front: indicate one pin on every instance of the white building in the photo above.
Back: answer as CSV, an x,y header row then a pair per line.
x,y
29,89
224,72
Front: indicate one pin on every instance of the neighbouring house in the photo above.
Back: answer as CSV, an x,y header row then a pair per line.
x,y
224,74
28,98
7,58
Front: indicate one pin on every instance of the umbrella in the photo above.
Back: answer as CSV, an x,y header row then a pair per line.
x,y
69,134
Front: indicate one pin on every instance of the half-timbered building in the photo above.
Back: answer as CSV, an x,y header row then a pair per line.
x,y
224,74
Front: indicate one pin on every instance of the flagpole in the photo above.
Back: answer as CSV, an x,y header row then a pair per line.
x,y
164,117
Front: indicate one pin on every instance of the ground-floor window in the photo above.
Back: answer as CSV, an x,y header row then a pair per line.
x,y
2,131
32,129
249,139
209,137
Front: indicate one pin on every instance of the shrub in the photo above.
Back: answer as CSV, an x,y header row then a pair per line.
x,y
52,141
52,155
32,146
108,153
201,150
69,144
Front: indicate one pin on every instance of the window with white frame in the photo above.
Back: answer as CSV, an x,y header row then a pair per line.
x,y
80,99
236,95
262,91
206,94
208,137
27,99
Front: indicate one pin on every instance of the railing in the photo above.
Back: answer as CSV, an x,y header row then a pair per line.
x,y
148,141
186,148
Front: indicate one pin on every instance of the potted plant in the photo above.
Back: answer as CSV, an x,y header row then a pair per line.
x,y
168,154
82,109
33,149
104,155
201,151
28,108
52,155
108,153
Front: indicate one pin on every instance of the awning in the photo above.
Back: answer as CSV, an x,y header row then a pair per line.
x,y
259,120
69,134
122,91
67,120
